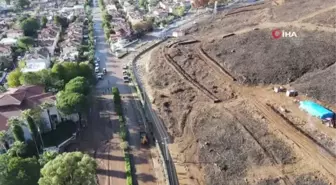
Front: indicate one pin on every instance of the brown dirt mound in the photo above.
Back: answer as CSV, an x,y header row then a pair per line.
x,y
320,85
324,19
273,61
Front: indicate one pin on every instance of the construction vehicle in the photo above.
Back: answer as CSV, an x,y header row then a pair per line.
x,y
143,136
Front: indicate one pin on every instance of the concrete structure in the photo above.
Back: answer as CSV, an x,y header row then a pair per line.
x,y
36,62
8,41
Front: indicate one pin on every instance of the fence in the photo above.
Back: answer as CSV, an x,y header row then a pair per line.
x,y
157,123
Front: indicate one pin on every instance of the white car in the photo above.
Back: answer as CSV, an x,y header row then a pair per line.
x,y
99,76
97,69
125,67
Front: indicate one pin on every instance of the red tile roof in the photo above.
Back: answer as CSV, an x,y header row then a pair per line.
x,y
15,100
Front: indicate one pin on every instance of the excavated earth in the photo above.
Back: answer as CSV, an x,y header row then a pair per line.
x,y
232,142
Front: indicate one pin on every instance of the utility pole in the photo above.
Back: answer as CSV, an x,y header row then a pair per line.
x,y
214,10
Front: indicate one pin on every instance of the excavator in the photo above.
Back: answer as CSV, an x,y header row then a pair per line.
x,y
143,136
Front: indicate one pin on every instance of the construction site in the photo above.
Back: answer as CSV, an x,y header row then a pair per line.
x,y
214,89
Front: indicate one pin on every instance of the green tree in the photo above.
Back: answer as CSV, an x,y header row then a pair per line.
x,y
69,169
25,42
179,11
17,171
34,132
78,85
21,149
13,78
21,3
70,102
4,139
17,149
30,78
8,2
62,21
18,133
44,21
30,26
46,157
5,62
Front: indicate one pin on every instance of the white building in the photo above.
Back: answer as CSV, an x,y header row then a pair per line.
x,y
8,41
36,62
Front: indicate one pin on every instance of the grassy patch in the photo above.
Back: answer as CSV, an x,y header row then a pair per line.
x,y
63,132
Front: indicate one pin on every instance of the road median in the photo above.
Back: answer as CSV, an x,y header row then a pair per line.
x,y
123,134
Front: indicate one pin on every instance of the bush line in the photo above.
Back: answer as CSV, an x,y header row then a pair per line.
x,y
123,133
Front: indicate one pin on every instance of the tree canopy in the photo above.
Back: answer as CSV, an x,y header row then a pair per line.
x,y
13,78
17,170
25,42
21,3
69,169
62,21
70,102
44,21
78,85
5,62
30,26
69,70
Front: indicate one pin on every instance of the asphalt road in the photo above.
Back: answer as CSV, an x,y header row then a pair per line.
x,y
140,156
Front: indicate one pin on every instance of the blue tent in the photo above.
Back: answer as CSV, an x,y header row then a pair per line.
x,y
316,110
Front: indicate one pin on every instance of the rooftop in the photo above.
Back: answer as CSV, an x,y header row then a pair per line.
x,y
15,100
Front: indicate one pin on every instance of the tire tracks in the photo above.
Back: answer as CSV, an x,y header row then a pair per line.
x,y
310,147
186,76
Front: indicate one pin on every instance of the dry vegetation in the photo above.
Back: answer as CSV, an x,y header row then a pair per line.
x,y
274,61
232,142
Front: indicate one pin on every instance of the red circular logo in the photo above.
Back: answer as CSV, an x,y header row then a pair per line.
x,y
276,33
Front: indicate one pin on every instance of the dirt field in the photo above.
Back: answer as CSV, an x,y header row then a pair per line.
x,y
246,138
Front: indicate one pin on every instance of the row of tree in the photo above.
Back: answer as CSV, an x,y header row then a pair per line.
x,y
53,78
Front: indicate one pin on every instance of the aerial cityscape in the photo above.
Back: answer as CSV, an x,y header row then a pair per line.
x,y
167,92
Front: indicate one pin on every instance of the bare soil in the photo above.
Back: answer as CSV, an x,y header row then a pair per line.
x,y
235,142
326,19
274,61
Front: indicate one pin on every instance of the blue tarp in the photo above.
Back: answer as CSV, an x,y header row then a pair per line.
x,y
316,110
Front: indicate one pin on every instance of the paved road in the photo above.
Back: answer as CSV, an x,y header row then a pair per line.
x,y
144,173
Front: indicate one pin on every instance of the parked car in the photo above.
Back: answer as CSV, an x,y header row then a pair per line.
x,y
125,72
97,69
97,59
125,67
99,76
104,70
126,79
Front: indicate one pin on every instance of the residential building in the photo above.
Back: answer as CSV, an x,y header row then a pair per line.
x,y
48,37
5,51
111,7
135,17
14,33
16,100
37,61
